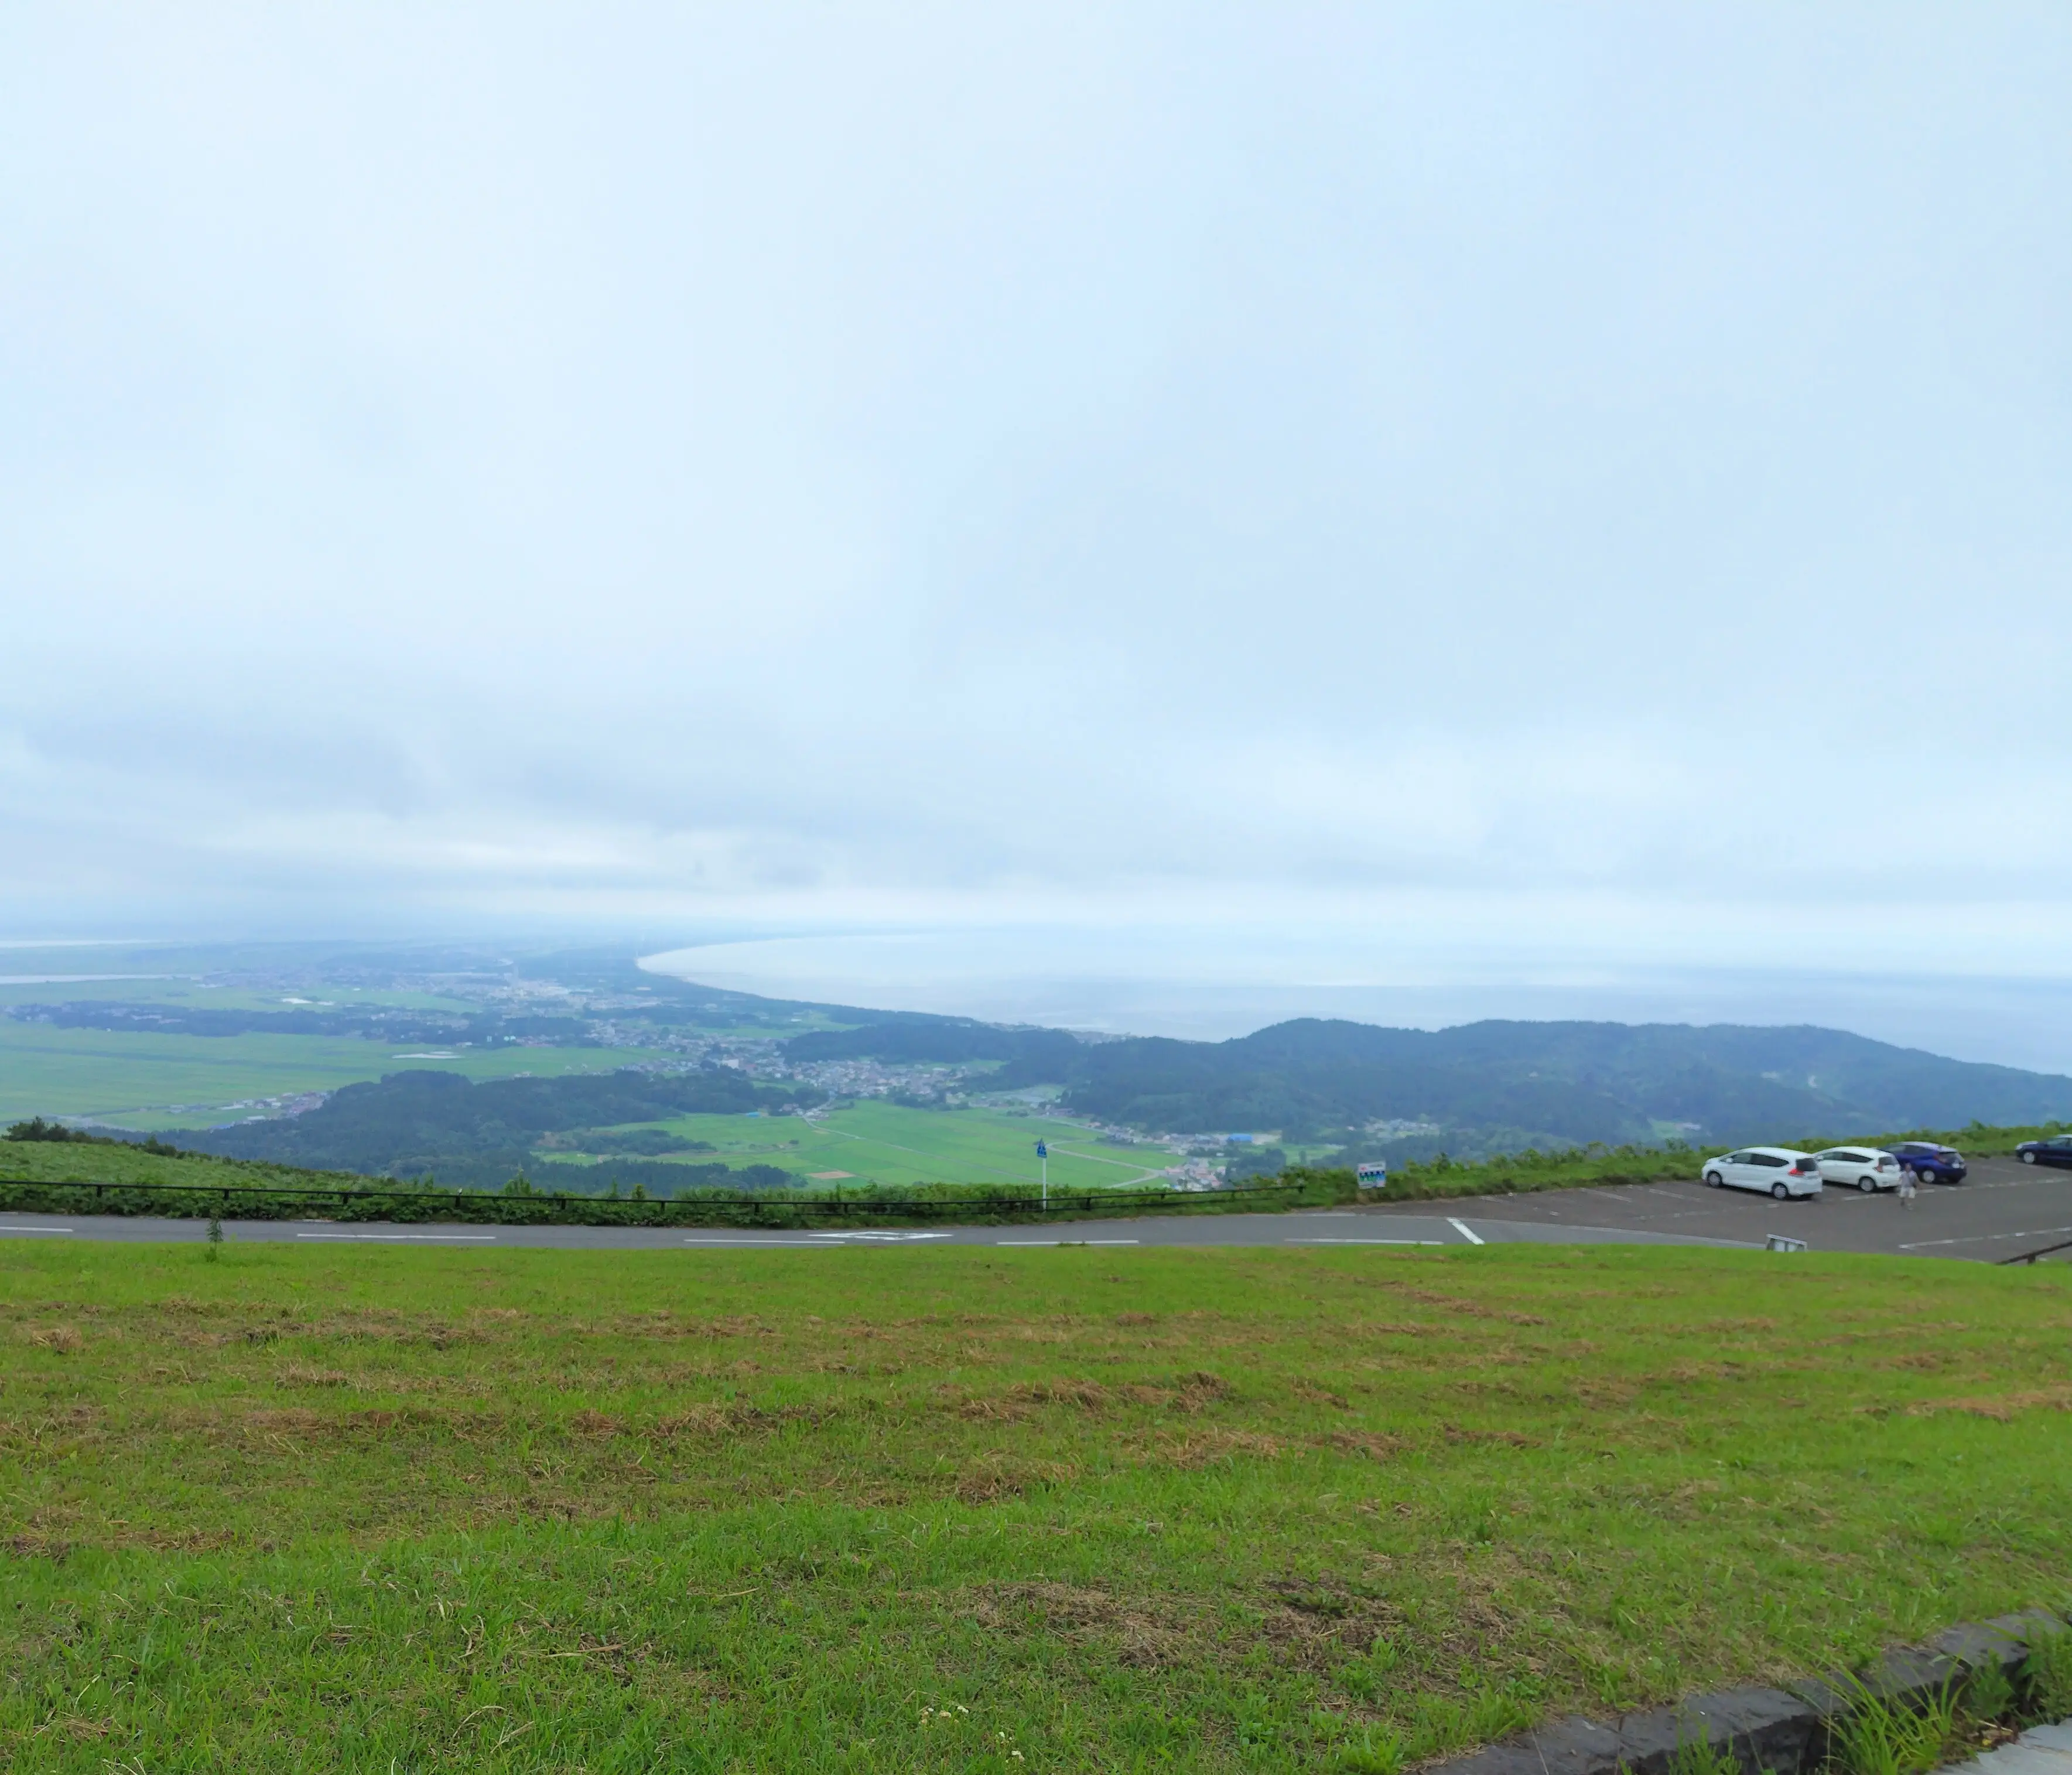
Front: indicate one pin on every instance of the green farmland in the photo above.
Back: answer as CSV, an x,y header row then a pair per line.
x,y
869,1142
187,994
130,1077
877,1142
385,1510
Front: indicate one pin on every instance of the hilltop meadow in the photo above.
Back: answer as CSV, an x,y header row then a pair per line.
x,y
388,1510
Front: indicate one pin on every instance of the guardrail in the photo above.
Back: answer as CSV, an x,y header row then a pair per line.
x,y
548,1208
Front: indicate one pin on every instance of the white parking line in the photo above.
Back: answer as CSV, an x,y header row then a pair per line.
x,y
407,1239
34,1229
1986,1238
1366,1242
772,1244
1466,1232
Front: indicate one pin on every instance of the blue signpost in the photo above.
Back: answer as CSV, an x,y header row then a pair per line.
x,y
1043,1152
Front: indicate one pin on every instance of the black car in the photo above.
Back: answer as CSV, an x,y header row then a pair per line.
x,y
1931,1163
2056,1150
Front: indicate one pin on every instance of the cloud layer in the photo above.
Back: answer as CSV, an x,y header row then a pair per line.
x,y
1476,469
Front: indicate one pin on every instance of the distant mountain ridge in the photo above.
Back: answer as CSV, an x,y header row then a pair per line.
x,y
1562,1082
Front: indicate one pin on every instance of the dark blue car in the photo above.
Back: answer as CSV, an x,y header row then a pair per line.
x,y
1931,1163
2056,1150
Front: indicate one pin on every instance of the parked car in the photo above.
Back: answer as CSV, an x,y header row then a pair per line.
x,y
1867,1167
2056,1150
1931,1163
1776,1170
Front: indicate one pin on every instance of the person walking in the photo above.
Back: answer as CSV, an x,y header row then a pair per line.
x,y
1906,1186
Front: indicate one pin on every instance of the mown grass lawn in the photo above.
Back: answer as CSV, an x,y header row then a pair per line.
x,y
969,1508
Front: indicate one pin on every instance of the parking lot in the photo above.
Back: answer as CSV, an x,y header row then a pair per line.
x,y
2003,1208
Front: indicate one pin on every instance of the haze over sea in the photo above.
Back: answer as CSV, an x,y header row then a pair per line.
x,y
1210,987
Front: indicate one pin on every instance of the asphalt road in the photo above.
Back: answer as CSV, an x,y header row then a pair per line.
x,y
2005,1208
1346,1227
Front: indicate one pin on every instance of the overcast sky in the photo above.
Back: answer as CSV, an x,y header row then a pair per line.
x,y
1480,479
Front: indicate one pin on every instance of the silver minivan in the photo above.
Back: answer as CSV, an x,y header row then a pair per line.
x,y
1776,1170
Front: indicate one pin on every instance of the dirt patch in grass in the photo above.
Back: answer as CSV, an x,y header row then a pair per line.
x,y
998,1478
305,1374
1137,1633
1467,1309
1195,1448
1089,1396
410,1423
709,1420
2001,1407
1374,1444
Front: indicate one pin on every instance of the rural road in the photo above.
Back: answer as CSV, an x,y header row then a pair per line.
x,y
2005,1208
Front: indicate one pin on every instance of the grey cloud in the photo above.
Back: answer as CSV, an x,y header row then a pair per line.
x,y
866,464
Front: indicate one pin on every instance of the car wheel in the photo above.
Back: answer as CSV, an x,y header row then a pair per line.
x,y
1779,1191
2028,1158
1868,1184
1715,1179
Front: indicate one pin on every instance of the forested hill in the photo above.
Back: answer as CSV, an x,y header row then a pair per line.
x,y
411,1123
1575,1082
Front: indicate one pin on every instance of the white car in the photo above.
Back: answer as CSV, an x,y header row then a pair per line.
x,y
1865,1167
1776,1170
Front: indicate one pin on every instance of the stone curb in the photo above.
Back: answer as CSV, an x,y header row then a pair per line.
x,y
1785,1731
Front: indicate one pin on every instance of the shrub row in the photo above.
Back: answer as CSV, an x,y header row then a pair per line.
x,y
521,1205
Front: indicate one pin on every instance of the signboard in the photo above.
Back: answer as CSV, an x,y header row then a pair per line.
x,y
1373,1175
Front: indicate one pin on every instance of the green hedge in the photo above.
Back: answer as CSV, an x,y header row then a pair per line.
x,y
358,1202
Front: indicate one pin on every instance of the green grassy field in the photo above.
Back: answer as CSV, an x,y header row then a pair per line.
x,y
872,1142
117,1162
975,1510
190,994
130,1078
878,1142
